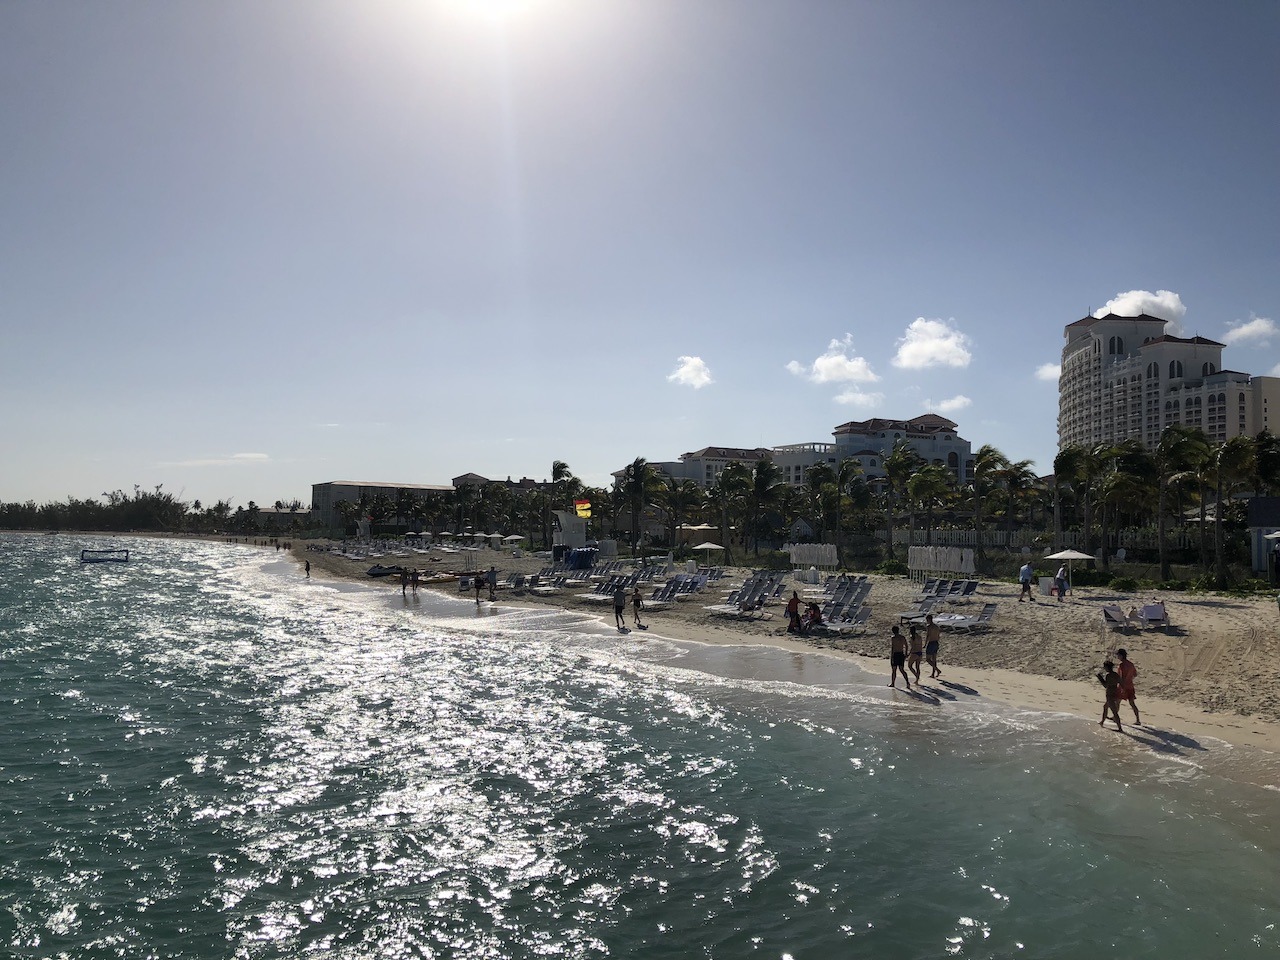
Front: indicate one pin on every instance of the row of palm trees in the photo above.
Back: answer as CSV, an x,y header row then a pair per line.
x,y
1096,490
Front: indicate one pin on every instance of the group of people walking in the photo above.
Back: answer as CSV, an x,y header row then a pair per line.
x,y
905,653
1119,685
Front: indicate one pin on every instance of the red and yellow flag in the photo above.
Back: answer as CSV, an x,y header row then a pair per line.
x,y
583,508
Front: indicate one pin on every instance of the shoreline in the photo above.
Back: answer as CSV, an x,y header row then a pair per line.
x,y
1166,720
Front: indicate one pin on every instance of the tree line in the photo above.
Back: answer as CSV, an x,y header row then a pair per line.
x,y
1094,491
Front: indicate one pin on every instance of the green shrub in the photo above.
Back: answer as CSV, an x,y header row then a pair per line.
x,y
1124,584
893,568
1174,585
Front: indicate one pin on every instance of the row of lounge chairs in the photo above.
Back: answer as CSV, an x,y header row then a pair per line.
x,y
951,591
749,600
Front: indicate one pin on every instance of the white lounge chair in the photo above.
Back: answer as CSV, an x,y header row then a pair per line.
x,y
1154,615
1116,619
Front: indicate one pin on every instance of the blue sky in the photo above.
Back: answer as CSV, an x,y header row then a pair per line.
x,y
247,247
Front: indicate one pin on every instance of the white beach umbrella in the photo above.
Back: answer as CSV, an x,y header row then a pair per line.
x,y
511,538
708,546
1069,555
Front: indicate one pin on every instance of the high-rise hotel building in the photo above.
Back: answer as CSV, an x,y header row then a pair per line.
x,y
1124,377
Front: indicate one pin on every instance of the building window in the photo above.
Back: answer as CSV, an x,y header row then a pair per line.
x,y
1153,371
1175,369
1115,345
1208,369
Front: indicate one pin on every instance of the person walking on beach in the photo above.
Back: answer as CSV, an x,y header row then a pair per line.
x,y
1026,575
637,602
413,581
898,657
478,579
793,613
493,583
1060,581
916,652
404,581
620,606
1111,681
307,567
1127,673
932,640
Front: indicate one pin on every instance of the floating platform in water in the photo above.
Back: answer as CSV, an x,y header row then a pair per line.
x,y
104,556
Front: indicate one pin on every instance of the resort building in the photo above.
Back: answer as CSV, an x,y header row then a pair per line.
x,y
866,442
705,466
1124,377
326,496
931,437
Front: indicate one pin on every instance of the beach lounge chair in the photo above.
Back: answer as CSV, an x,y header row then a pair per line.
x,y
1154,615
981,622
1115,618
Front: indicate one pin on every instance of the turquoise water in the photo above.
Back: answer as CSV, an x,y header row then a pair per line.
x,y
204,755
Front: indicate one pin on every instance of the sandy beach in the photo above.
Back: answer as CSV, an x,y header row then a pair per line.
x,y
1212,673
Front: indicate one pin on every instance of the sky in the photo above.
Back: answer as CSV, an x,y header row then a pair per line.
x,y
246,247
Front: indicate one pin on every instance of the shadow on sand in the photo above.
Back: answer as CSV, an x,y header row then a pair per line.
x,y
960,688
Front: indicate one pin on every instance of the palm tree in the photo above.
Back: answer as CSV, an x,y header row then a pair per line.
x,y
727,497
1016,479
987,463
928,487
638,485
1177,454
848,472
680,499
1266,446
1104,460
819,484
764,492
901,462
1233,464
1067,466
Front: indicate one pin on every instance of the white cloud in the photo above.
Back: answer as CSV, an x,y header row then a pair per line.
x,y
1164,304
1257,328
1275,371
1049,371
691,372
836,365
932,343
958,402
856,398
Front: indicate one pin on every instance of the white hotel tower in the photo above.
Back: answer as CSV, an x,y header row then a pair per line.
x,y
1123,377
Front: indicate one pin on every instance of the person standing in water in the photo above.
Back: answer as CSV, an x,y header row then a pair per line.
x,y
620,606
307,567
916,653
1128,672
1111,681
932,640
637,602
898,657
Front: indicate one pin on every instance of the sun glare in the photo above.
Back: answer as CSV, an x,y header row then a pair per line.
x,y
492,10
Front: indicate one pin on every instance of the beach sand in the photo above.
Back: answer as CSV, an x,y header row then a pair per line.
x,y
1213,673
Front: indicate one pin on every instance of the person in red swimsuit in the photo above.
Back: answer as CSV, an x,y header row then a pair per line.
x,y
1127,673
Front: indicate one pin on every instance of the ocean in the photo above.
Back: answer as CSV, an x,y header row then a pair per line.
x,y
204,754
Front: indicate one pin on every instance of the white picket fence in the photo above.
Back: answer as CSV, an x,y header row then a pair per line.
x,y
1129,539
